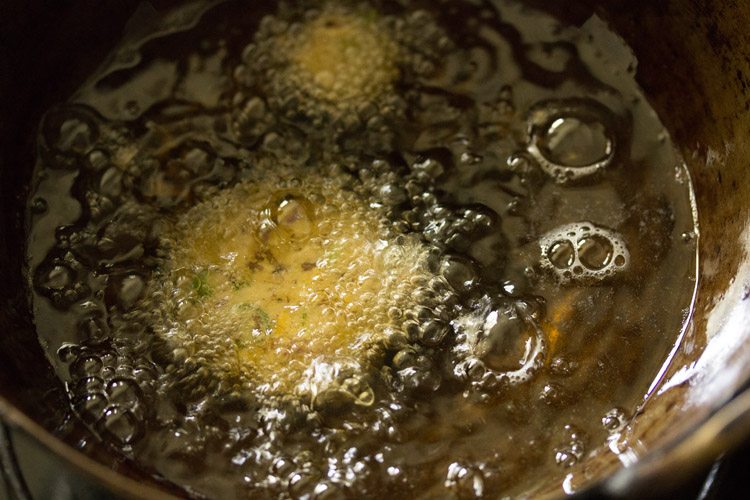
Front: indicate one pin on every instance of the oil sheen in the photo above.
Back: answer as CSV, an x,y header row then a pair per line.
x,y
360,248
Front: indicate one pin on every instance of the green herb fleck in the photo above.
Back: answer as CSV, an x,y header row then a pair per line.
x,y
260,317
200,285
239,284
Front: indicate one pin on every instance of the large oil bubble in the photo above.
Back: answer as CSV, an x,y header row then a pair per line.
x,y
583,252
571,140
498,343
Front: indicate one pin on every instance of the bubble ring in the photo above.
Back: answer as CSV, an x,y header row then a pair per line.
x,y
542,117
532,362
577,270
481,376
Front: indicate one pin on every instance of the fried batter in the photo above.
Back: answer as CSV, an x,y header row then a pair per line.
x,y
288,284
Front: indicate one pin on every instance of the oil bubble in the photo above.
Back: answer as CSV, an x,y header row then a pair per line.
x,y
433,333
561,254
75,135
39,205
555,395
131,289
571,140
574,143
88,385
58,278
562,367
301,481
120,425
91,406
111,182
497,343
332,386
465,481
583,252
504,341
595,252
68,352
98,159
392,194
572,449
422,378
429,167
615,420
85,365
70,129
460,273
124,392
252,120
94,328
295,216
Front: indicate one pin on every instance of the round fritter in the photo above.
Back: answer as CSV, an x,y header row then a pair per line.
x,y
290,283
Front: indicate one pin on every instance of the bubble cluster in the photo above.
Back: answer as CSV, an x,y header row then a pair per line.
x,y
569,452
69,132
284,282
571,140
61,280
465,481
340,57
337,65
498,343
583,252
109,391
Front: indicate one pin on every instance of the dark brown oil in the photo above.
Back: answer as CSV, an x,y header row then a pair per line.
x,y
557,217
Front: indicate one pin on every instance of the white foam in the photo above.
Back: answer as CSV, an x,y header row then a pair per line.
x,y
577,271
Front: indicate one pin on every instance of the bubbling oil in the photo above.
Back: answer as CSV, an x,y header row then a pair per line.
x,y
301,286
356,249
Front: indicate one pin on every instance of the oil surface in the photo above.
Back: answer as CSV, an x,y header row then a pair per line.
x,y
304,249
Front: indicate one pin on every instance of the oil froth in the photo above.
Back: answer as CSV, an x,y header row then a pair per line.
x,y
285,279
